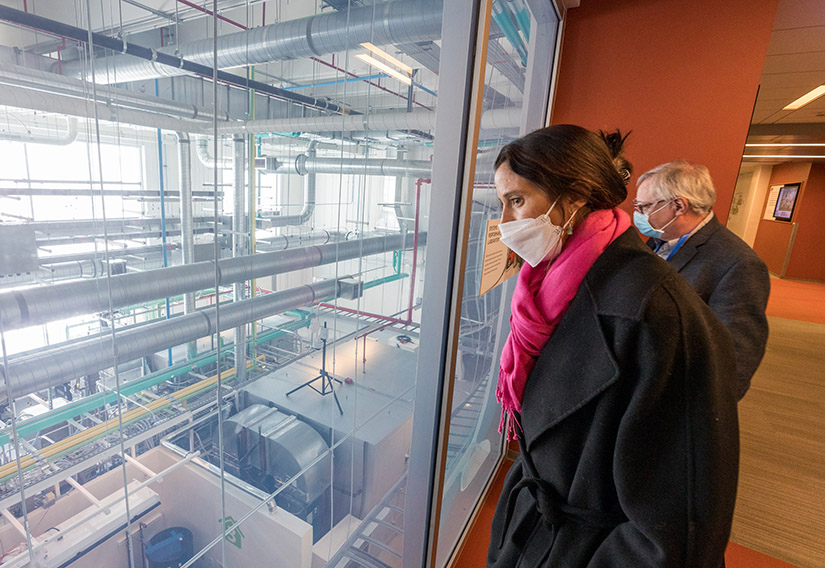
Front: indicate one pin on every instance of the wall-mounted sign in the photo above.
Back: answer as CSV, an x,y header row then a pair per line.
x,y
786,201
499,263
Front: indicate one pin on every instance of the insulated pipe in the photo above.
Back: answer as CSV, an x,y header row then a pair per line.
x,y
64,140
59,104
56,365
390,23
26,79
187,225
309,194
90,268
417,120
307,164
155,58
33,306
202,150
238,246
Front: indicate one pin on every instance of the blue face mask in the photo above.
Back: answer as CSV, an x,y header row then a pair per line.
x,y
642,222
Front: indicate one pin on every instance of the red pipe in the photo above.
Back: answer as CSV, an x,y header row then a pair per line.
x,y
418,183
363,313
353,75
210,13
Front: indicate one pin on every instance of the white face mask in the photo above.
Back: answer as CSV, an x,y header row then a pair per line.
x,y
534,240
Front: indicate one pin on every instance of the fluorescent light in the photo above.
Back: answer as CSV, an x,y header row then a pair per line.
x,y
386,57
783,156
385,68
806,98
787,145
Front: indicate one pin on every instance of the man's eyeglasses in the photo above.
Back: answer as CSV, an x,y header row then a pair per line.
x,y
643,208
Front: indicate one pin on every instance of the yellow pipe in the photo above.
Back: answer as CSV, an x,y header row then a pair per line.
x,y
98,430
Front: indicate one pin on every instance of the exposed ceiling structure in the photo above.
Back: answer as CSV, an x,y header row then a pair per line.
x,y
795,64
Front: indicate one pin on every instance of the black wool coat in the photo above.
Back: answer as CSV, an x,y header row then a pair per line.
x,y
630,444
734,282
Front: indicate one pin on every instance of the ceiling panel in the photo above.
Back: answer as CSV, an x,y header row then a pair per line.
x,y
798,40
798,62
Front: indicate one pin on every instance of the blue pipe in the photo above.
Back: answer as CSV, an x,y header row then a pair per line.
x,y
508,27
336,82
163,214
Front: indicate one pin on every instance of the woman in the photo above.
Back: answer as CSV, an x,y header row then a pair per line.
x,y
613,377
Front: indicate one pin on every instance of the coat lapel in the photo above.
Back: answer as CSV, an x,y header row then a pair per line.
x,y
562,381
691,246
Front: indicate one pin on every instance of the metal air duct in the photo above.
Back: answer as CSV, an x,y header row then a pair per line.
x,y
39,90
309,196
51,366
416,120
23,308
398,21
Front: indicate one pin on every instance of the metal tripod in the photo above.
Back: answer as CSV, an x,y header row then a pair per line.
x,y
327,380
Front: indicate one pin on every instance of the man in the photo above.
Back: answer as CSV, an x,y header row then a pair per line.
x,y
673,206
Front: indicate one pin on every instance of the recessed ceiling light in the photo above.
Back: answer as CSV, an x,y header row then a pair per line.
x,y
384,67
806,98
786,145
377,51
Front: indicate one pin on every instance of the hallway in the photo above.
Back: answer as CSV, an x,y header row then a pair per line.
x,y
780,508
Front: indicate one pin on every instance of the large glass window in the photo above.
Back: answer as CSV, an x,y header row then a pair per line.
x,y
212,291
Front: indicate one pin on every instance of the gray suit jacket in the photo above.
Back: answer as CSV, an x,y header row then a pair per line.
x,y
734,282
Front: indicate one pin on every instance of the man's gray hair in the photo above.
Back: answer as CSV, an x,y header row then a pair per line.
x,y
682,179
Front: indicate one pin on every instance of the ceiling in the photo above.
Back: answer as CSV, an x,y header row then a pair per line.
x,y
794,65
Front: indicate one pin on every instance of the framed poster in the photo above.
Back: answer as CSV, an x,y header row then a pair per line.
x,y
786,201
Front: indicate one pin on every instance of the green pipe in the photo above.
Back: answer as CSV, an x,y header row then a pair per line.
x,y
97,400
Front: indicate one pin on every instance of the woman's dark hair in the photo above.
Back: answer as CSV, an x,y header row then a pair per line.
x,y
570,161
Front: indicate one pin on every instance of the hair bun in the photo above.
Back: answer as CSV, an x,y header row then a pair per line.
x,y
615,146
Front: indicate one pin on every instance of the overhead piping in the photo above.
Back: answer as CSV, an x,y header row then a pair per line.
x,y
56,365
389,23
157,59
62,140
309,196
25,82
33,306
416,120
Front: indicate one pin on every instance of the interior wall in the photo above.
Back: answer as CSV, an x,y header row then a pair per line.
x,y
807,261
683,76
773,237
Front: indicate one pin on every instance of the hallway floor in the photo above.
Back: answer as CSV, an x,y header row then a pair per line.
x,y
780,510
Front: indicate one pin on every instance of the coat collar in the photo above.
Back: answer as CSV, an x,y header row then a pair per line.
x,y
563,380
691,246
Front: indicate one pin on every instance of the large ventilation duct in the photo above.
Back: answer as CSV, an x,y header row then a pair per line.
x,y
309,197
62,140
308,164
38,90
399,21
53,366
202,150
179,64
23,308
416,120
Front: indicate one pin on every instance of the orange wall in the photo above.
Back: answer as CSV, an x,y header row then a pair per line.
x,y
807,259
773,237
682,75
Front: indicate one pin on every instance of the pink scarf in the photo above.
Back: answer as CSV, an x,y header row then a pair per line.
x,y
540,300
